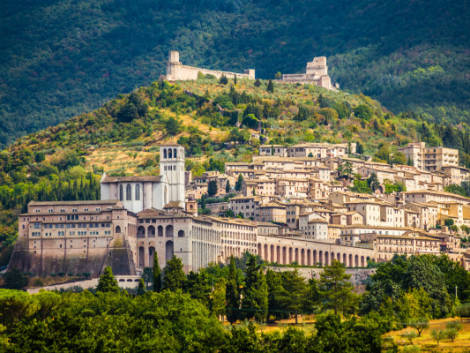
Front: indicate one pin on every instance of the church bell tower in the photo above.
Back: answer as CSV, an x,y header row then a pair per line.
x,y
172,167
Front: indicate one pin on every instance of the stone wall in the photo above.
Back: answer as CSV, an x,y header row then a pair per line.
x,y
176,71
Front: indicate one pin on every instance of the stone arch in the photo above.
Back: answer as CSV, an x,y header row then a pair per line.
x,y
169,250
362,261
302,257
278,254
338,257
314,257
169,231
290,256
284,255
327,258
350,262
151,232
160,231
140,232
266,254
181,233
260,248
296,255
356,261
271,258
309,258
141,256
320,258
151,255
118,229
344,260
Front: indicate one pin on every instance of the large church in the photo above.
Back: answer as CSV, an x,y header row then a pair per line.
x,y
138,193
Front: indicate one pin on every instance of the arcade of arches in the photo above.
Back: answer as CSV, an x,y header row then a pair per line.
x,y
146,249
311,253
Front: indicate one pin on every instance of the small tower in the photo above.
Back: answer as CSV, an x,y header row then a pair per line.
x,y
172,166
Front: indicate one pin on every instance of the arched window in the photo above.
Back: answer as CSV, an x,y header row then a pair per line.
x,y
175,154
141,232
118,229
121,193
169,153
164,153
151,231
128,192
169,231
137,192
181,233
169,252
160,231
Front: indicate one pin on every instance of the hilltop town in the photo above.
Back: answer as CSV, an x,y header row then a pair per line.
x,y
296,204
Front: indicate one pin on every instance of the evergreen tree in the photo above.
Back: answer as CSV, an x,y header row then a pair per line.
x,y
239,183
232,292
270,87
141,288
212,187
157,274
335,288
107,282
223,80
255,292
227,187
257,83
173,274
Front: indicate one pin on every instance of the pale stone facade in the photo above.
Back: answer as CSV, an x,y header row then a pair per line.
x,y
176,71
430,158
316,73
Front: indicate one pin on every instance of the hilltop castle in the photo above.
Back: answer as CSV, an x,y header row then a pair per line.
x,y
316,73
176,71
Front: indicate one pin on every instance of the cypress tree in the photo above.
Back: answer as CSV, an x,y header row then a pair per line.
x,y
232,293
255,299
157,275
141,288
174,276
270,87
107,281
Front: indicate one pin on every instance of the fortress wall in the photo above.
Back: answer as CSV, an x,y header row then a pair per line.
x,y
74,256
180,72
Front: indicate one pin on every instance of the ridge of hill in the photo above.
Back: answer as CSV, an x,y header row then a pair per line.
x,y
62,58
216,122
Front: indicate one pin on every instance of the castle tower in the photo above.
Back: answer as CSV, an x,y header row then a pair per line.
x,y
172,167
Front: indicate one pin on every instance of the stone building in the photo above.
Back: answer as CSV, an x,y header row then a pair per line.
x,y
138,193
430,158
316,73
176,71
74,237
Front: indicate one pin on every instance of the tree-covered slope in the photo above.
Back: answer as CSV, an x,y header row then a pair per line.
x,y
61,58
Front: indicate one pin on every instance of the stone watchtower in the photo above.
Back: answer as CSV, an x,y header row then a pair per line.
x,y
172,65
172,167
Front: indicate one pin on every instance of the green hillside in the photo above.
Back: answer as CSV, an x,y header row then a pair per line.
x,y
215,121
62,58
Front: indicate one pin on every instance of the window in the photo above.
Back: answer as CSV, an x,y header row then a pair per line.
x,y
174,153
181,233
128,192
169,153
121,193
164,153
137,192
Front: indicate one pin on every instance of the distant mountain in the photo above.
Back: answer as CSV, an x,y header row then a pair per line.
x,y
61,58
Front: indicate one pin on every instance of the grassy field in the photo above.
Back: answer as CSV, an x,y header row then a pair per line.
x,y
425,343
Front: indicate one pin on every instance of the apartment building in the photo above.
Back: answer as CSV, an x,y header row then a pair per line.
x,y
430,158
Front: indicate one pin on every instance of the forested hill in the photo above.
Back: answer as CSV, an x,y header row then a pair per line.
x,y
61,58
